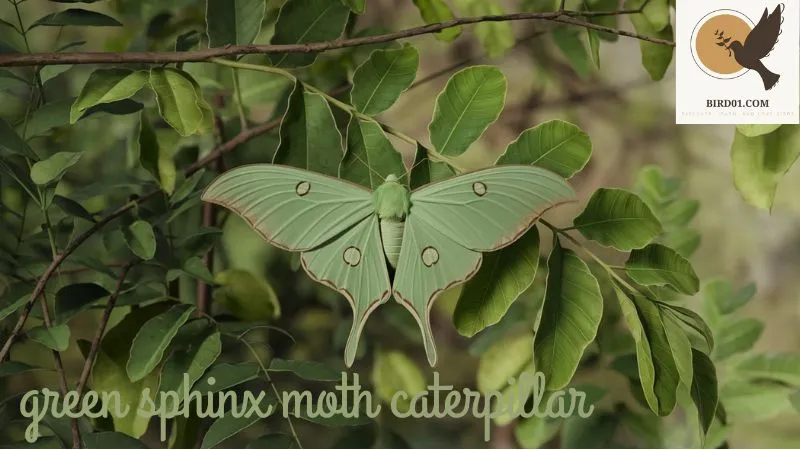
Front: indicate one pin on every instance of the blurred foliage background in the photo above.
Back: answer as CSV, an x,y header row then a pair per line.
x,y
629,118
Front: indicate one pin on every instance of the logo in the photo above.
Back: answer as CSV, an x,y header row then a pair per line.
x,y
738,62
736,46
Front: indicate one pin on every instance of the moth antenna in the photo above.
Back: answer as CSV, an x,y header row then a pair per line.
x,y
411,169
374,172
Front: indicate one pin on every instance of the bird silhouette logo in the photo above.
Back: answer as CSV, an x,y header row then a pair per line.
x,y
726,44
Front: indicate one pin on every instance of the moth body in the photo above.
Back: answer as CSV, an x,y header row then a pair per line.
x,y
392,203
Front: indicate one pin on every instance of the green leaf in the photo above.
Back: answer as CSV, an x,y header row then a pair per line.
x,y
109,375
309,137
12,301
10,368
47,117
593,38
186,188
379,81
13,143
226,376
595,431
53,168
683,241
152,340
424,170
569,41
195,267
107,86
304,21
189,363
658,265
657,13
436,11
246,296
76,17
55,337
111,439
357,6
74,298
737,336
656,58
573,307
754,402
233,22
704,388
658,371
781,367
721,298
503,360
394,371
759,163
503,276
795,400
496,37
536,432
370,156
120,108
471,101
618,218
681,350
554,145
756,130
141,239
307,370
177,99
9,80
692,320
679,212
157,161
229,425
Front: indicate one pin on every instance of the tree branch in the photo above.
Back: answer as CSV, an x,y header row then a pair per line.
x,y
98,336
62,374
164,57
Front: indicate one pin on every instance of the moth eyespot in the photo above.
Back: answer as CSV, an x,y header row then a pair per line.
x,y
479,188
352,256
302,188
430,256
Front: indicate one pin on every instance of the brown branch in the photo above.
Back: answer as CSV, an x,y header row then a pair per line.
x,y
98,335
164,57
209,220
62,374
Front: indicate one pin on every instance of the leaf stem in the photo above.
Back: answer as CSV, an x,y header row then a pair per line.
x,y
239,105
608,268
98,335
274,389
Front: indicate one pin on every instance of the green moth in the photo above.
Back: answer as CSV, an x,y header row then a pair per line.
x,y
350,238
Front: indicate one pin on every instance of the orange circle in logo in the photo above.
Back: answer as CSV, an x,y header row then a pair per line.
x,y
721,29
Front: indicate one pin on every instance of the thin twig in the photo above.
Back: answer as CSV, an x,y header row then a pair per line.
x,y
62,374
98,335
209,220
274,389
567,17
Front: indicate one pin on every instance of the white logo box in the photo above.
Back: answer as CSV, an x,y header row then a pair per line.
x,y
705,97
